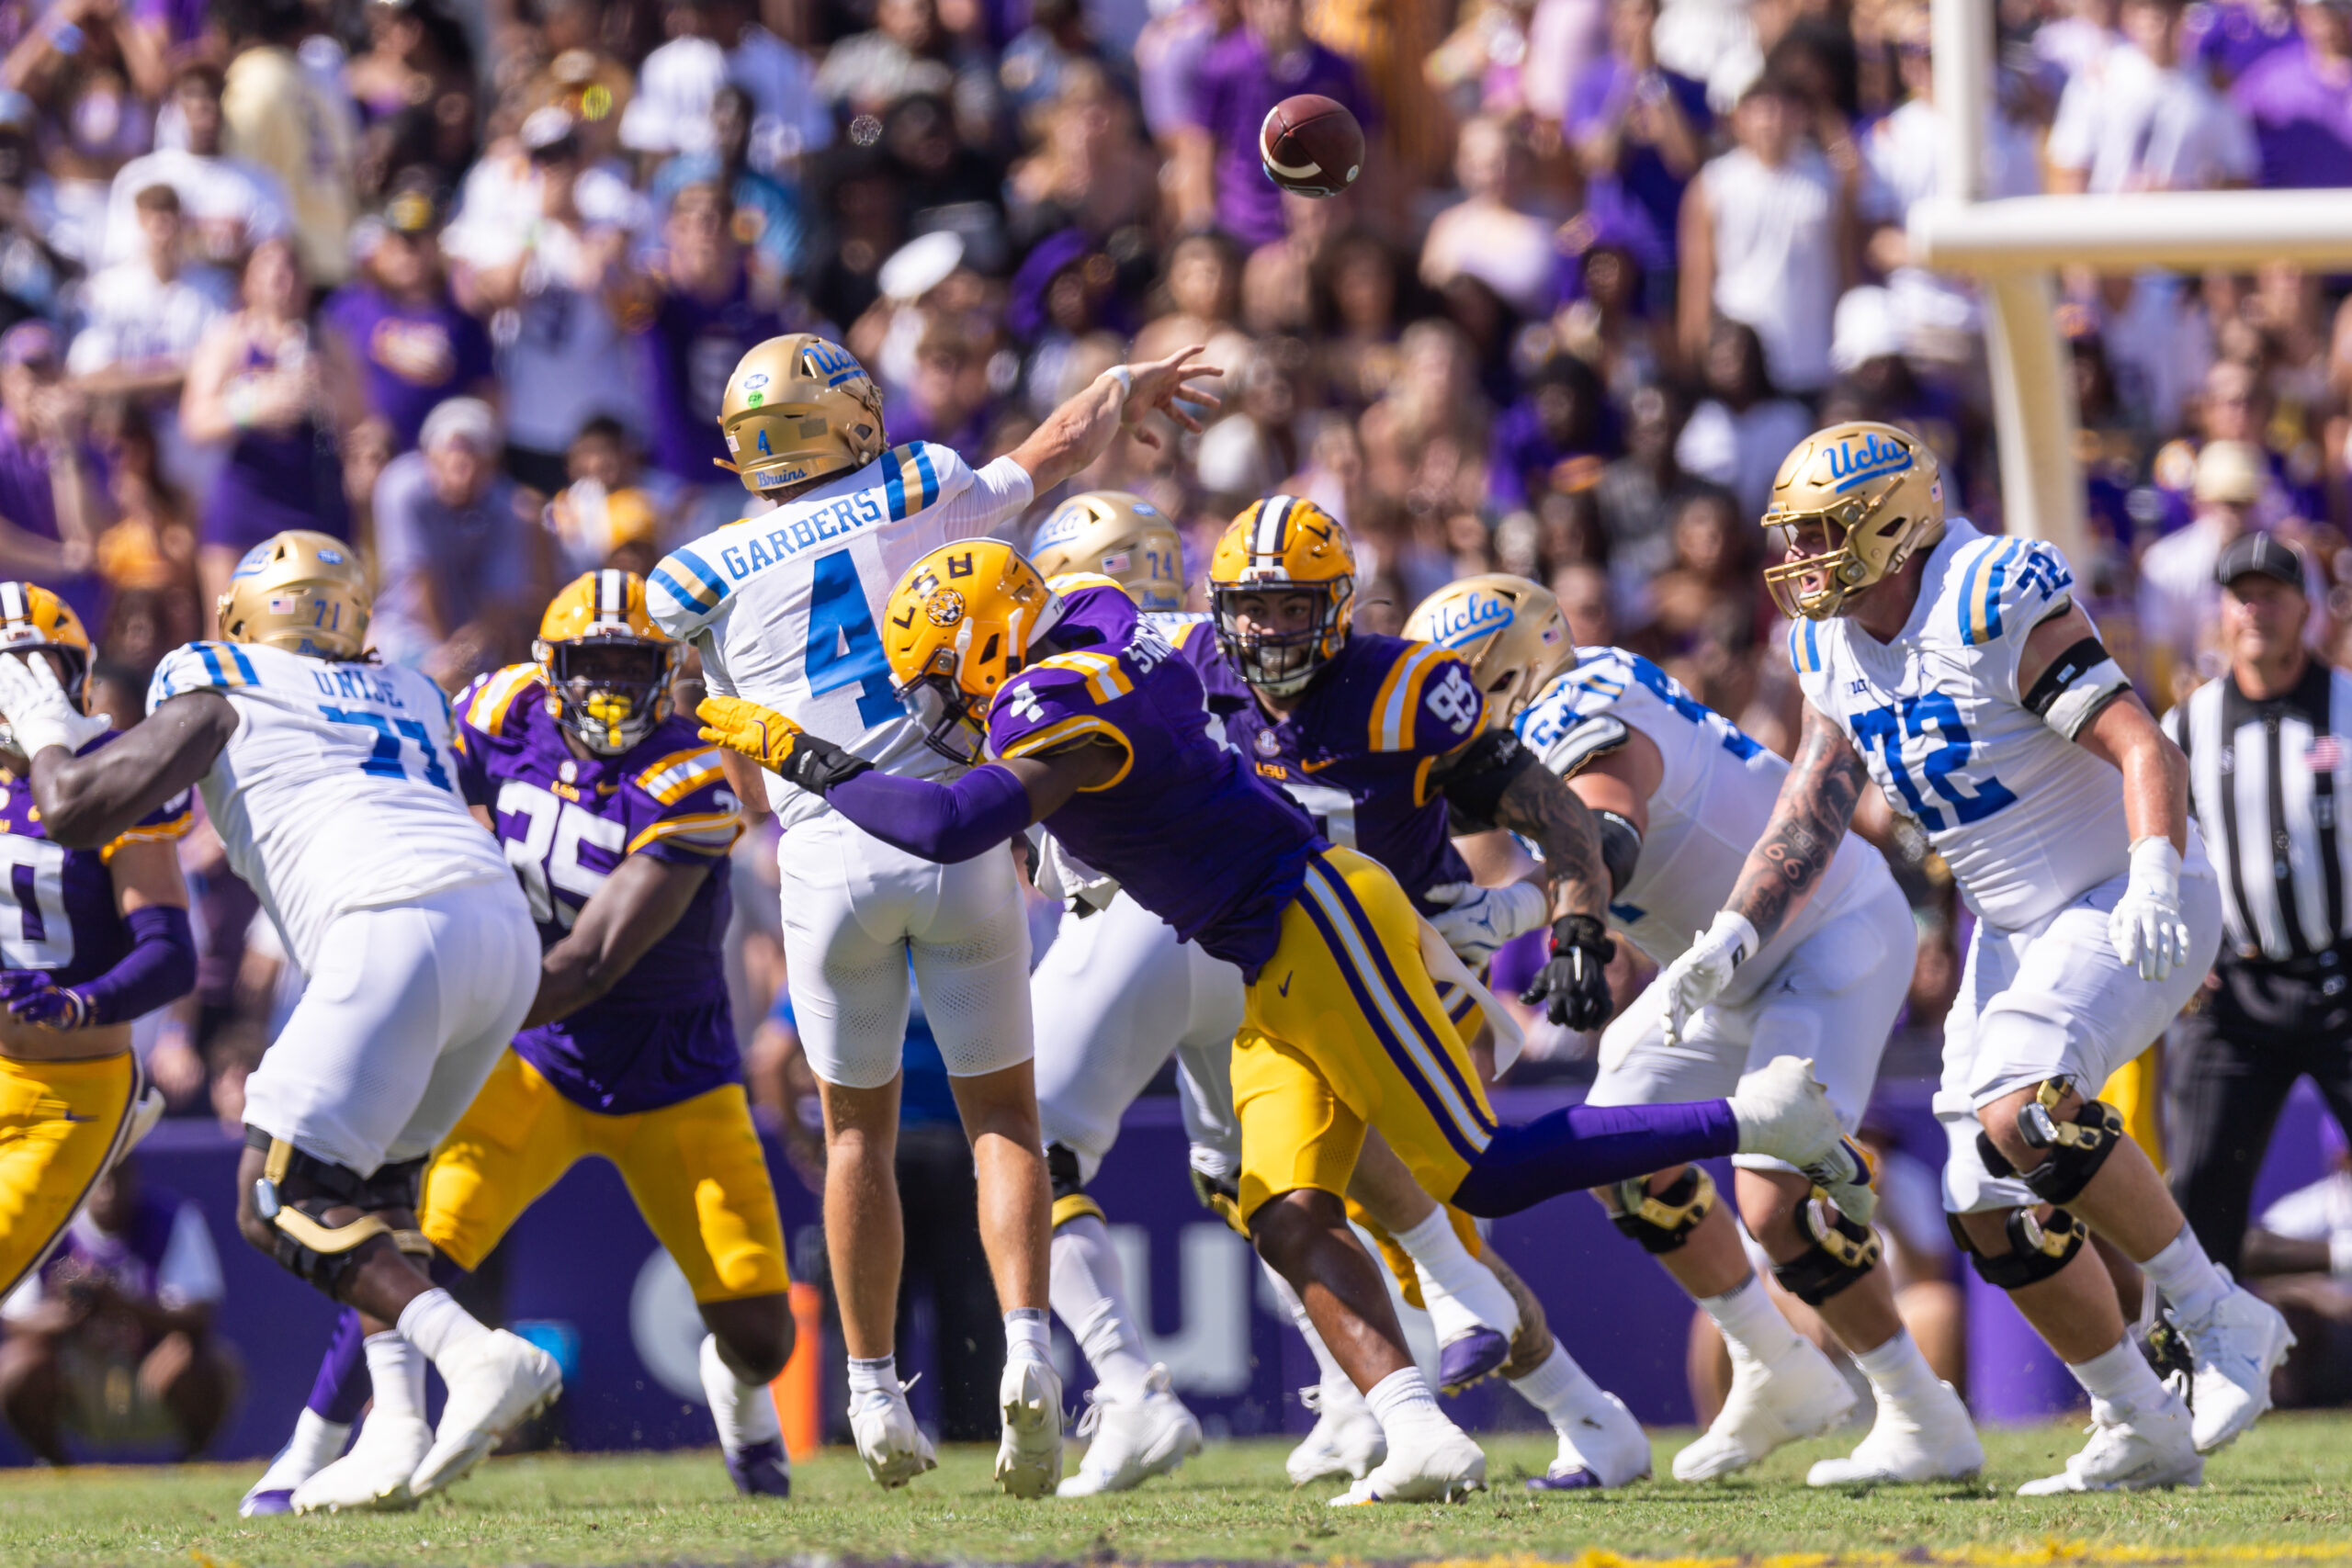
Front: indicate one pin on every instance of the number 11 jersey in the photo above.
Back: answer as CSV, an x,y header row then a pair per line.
x,y
2027,819
338,790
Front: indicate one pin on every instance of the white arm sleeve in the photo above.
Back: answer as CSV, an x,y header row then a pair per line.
x,y
998,493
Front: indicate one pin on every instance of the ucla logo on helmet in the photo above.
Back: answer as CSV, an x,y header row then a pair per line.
x,y
1851,462
944,608
1061,526
1476,614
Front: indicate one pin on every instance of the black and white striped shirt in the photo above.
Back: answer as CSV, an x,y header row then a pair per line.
x,y
2264,780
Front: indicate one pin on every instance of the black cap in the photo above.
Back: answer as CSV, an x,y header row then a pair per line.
x,y
2260,554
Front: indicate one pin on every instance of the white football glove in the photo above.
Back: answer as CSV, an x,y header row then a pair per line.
x,y
2145,924
39,712
1700,975
1480,920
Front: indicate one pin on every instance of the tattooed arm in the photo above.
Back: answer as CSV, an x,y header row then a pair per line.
x,y
1809,821
1541,809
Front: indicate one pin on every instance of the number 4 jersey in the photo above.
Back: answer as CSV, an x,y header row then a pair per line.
x,y
664,1033
336,791
2026,818
58,911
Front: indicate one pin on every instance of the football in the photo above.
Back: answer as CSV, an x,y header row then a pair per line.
x,y
1311,144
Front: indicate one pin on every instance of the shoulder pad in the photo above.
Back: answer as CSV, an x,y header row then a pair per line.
x,y
911,475
1098,671
669,778
697,815
1584,739
2007,586
201,666
492,700
1055,702
684,592
1427,703
1804,647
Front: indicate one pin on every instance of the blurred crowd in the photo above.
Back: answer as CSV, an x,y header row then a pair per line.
x,y
463,280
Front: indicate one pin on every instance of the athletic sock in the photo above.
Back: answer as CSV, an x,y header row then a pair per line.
x,y
340,1391
1403,1397
437,1325
397,1368
744,1411
1560,1389
317,1443
1446,1268
1090,1295
877,1374
2121,1377
2187,1277
1027,1335
1751,1325
1899,1374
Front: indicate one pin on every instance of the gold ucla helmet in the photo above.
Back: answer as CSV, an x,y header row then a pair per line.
x,y
301,590
800,408
1119,535
32,617
606,665
1510,631
1877,495
1283,545
958,625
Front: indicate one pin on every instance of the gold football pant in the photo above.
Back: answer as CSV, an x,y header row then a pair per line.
x,y
61,1124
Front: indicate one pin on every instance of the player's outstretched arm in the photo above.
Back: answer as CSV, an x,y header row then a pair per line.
x,y
1075,434
1809,821
88,801
636,907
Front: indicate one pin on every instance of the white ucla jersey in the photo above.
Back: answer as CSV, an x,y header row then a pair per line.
x,y
785,605
338,790
1711,805
2027,819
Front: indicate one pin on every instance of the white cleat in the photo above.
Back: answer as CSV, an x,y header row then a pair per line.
x,y
1607,1448
1433,1460
1029,1459
893,1446
1799,1397
1938,1443
2236,1348
496,1382
374,1474
293,1465
1133,1439
2130,1450
1346,1443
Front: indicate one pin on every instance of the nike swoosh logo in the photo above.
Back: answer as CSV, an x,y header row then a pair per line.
x,y
1284,986
1305,767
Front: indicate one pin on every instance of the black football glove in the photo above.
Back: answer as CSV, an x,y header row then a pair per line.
x,y
1574,984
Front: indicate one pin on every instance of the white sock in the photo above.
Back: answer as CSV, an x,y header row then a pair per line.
x,y
2121,1376
1560,1389
1026,1335
1899,1374
878,1374
1327,1364
744,1411
397,1368
1403,1397
2187,1277
1090,1295
317,1443
437,1325
1751,1325
1446,1268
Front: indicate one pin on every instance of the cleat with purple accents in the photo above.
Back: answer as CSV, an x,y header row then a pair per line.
x,y
1468,1357
760,1469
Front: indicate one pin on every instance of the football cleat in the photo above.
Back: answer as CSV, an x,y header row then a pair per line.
x,y
375,1474
893,1446
1473,1329
761,1469
1347,1441
2130,1450
1605,1448
1029,1457
1429,1461
1798,1396
497,1381
1133,1439
1938,1443
2235,1349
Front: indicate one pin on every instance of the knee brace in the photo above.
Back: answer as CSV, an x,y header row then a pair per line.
x,y
2038,1248
1070,1201
2077,1147
308,1246
1834,1257
1663,1221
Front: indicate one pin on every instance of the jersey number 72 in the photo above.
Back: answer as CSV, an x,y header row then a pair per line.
x,y
1932,719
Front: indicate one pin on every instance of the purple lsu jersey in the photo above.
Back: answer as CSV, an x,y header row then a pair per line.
x,y
58,910
664,1032
1357,752
1186,827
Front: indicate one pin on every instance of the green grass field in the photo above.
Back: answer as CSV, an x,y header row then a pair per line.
x,y
2283,1493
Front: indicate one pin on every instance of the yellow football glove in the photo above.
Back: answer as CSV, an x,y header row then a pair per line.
x,y
776,743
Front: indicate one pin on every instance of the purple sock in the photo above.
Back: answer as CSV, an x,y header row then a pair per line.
x,y
342,1388
1590,1145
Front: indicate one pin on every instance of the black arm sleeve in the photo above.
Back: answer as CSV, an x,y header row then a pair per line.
x,y
1475,780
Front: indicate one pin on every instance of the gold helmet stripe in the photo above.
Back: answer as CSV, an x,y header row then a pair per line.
x,y
12,602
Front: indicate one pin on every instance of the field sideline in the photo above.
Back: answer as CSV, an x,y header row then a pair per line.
x,y
2284,1494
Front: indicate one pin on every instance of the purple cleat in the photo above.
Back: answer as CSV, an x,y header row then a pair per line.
x,y
1576,1480
256,1504
1466,1358
761,1469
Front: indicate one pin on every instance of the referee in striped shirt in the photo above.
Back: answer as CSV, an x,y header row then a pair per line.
x,y
2269,750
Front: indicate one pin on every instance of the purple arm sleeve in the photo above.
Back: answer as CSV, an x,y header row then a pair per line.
x,y
947,823
1590,1145
160,967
